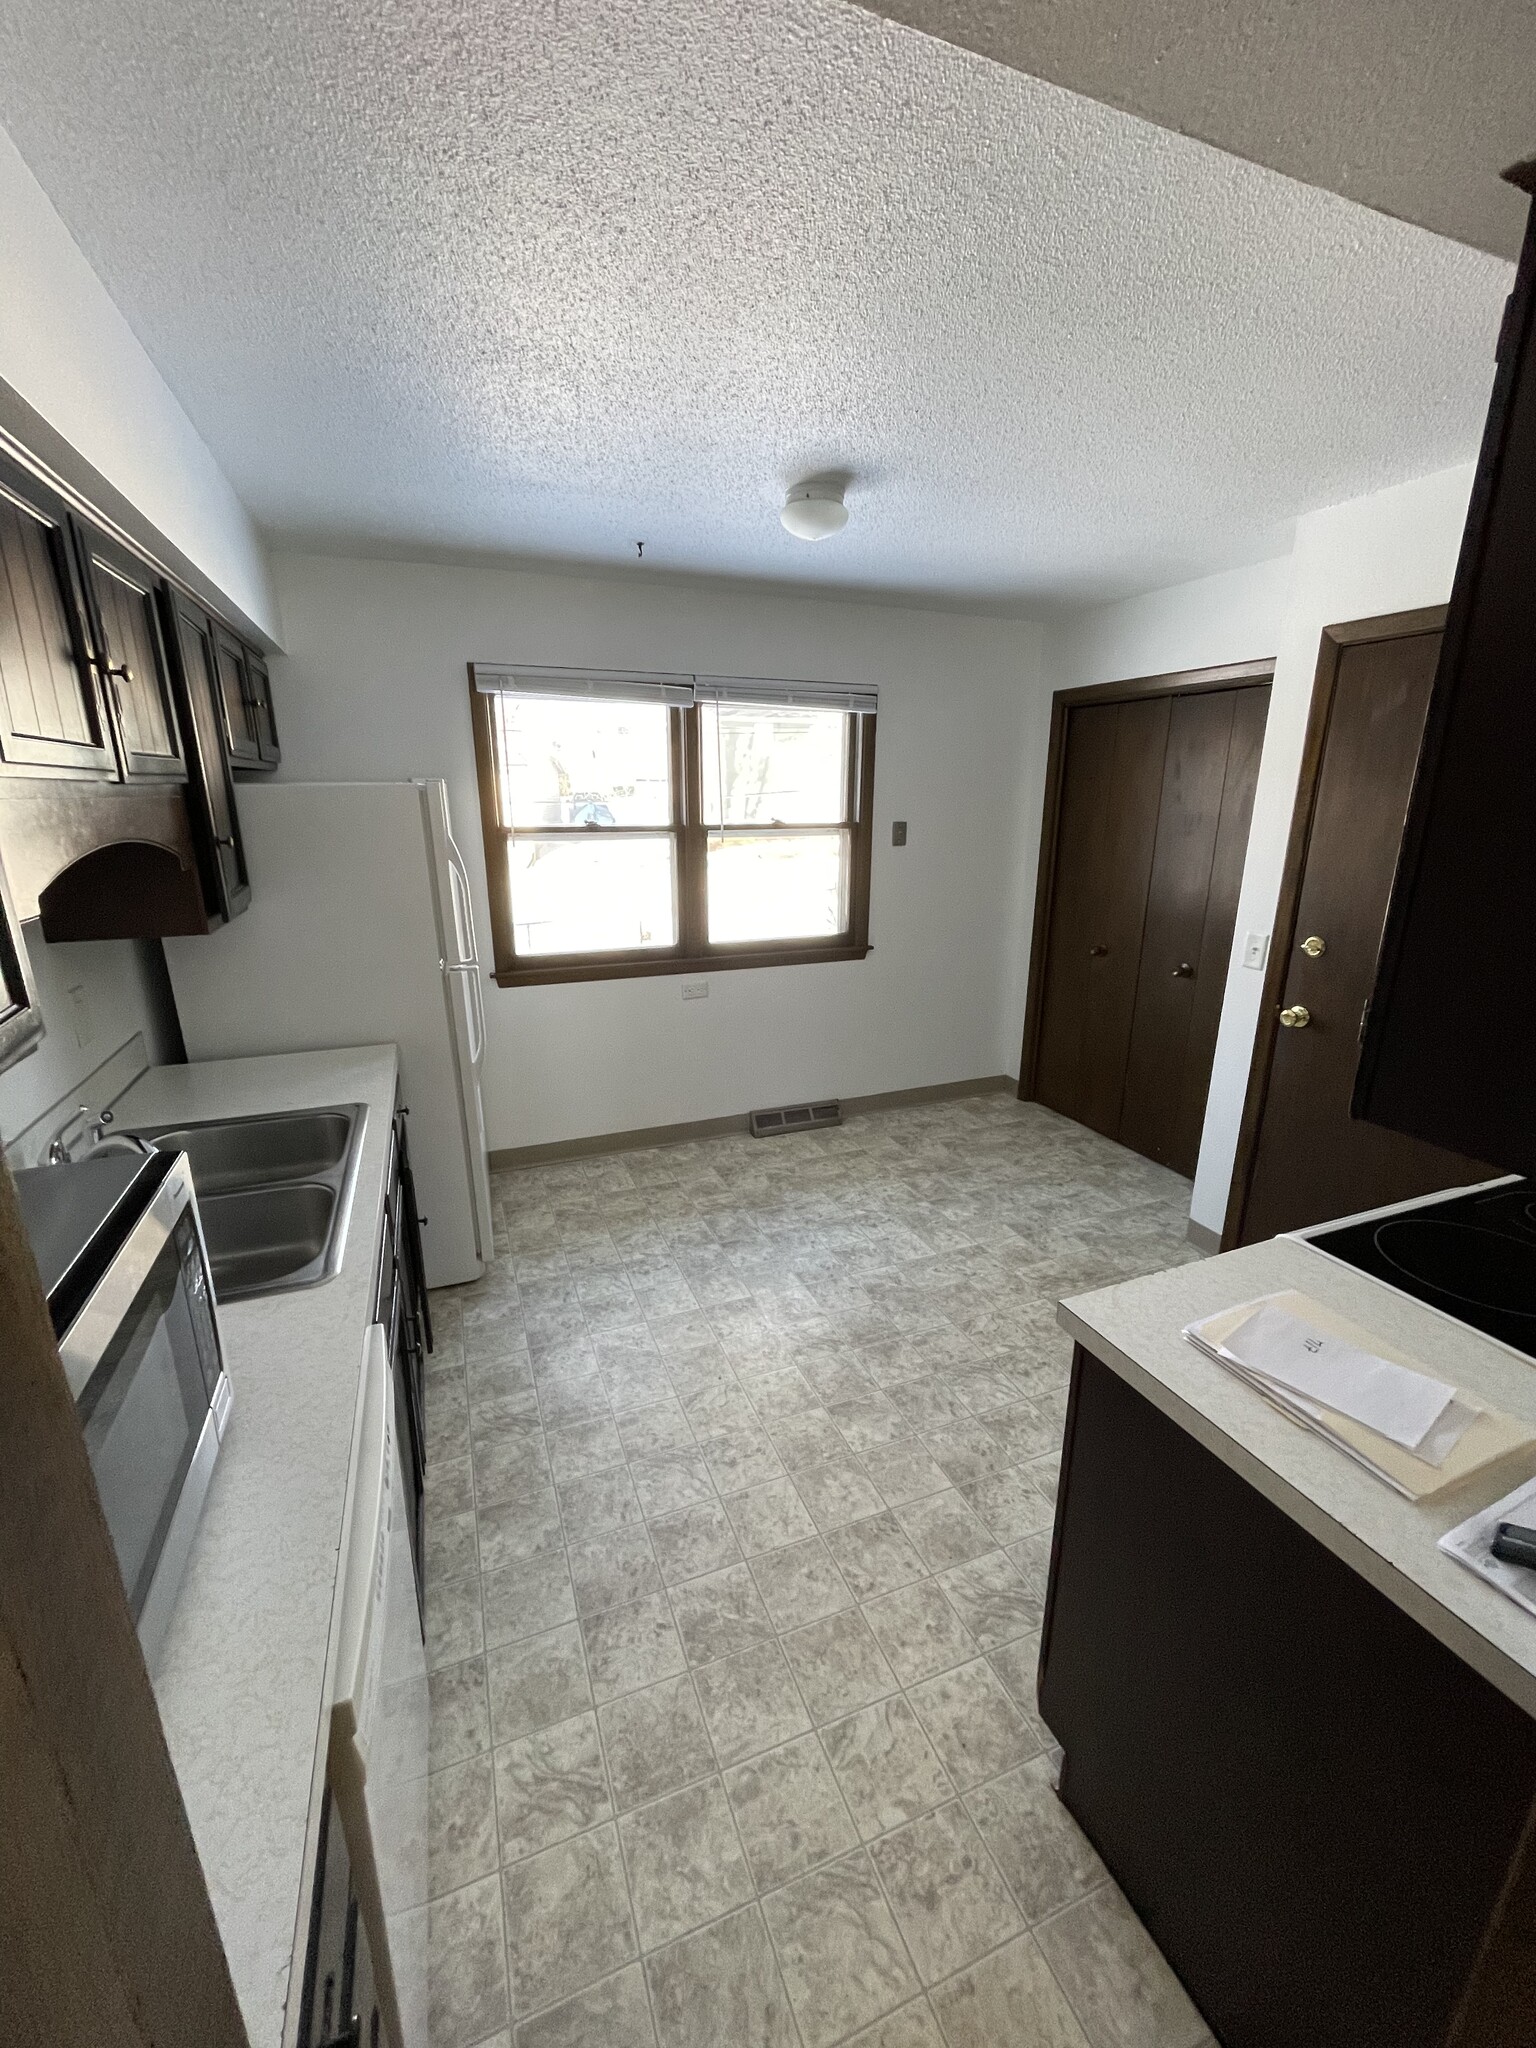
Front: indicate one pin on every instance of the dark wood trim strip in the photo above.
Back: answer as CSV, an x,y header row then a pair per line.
x,y
511,1157
725,960
482,712
1331,644
1177,683
1185,682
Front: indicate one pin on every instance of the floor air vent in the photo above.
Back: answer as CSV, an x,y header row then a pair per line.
x,y
800,1116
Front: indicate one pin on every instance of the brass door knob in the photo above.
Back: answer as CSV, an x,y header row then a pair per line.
x,y
1314,948
1097,952
1296,1018
1183,971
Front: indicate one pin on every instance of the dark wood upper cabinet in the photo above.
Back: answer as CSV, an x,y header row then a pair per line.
x,y
242,740
52,718
1447,1049
261,709
245,700
131,661
192,640
118,698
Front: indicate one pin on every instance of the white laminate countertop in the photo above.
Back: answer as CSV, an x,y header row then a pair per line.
x,y
244,1673
1389,1540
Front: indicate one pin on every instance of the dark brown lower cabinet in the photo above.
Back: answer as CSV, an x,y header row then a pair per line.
x,y
1325,1819
1141,866
400,1305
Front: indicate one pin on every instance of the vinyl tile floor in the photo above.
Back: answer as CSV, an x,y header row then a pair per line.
x,y
742,1461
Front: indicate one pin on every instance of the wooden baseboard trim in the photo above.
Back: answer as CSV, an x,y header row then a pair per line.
x,y
1202,1236
513,1156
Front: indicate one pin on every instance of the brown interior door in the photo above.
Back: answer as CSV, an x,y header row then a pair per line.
x,y
1209,772
1106,837
1309,1160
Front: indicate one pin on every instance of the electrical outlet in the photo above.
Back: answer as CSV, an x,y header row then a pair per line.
x,y
899,832
1255,949
80,1014
695,991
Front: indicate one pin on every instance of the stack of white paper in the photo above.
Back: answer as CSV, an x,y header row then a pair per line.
x,y
1318,1377
1469,1543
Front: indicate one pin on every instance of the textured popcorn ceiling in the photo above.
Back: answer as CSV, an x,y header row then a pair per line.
x,y
1413,106
547,278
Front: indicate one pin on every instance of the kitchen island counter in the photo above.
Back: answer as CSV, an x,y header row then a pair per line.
x,y
244,1674
1300,1736
1136,1329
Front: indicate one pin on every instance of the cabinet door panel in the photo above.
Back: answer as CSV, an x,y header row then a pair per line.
x,y
241,738
133,659
1109,809
210,789
1214,740
261,709
50,714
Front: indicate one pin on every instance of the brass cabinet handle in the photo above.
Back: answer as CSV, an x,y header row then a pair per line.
x,y
1314,948
1296,1017
1183,971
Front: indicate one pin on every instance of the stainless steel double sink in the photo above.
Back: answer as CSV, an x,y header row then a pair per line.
x,y
273,1193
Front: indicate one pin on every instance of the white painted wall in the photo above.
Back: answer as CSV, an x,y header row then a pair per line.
x,y
68,351
93,999
375,687
1393,551
1235,616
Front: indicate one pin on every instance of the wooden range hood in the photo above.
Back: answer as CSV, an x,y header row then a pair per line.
x,y
98,862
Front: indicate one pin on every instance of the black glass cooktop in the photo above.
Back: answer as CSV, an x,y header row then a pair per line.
x,y
1472,1255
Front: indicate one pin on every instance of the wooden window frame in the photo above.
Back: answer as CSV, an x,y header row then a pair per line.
x,y
693,954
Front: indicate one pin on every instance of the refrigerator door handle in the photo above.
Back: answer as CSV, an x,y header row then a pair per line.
x,y
471,968
478,985
464,914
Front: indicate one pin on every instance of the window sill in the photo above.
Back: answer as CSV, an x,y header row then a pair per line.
x,y
710,963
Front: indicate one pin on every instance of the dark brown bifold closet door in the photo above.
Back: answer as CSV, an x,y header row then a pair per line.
x,y
1209,772
1104,847
1156,798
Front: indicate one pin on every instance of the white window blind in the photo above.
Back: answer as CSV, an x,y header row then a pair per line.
x,y
637,686
801,696
622,686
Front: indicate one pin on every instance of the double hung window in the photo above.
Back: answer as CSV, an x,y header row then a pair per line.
x,y
658,824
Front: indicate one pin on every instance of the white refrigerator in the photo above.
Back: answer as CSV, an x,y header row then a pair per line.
x,y
360,932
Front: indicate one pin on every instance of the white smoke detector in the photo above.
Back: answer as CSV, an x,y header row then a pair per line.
x,y
813,511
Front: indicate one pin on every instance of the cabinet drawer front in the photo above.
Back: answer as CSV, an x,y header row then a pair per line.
x,y
50,715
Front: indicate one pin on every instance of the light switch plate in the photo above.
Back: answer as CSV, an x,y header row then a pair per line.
x,y
1255,949
899,832
695,991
